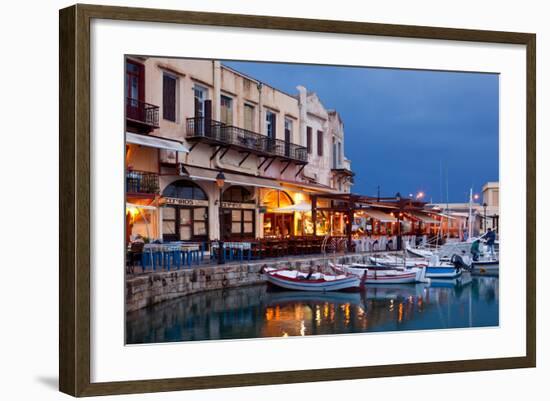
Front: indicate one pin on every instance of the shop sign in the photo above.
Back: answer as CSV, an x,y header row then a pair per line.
x,y
183,202
237,205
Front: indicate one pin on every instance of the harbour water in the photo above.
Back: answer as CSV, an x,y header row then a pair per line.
x,y
257,311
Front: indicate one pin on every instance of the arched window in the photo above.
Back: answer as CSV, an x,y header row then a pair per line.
x,y
184,189
277,224
237,194
276,199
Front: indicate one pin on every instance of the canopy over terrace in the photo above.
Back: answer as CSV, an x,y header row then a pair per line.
x,y
384,209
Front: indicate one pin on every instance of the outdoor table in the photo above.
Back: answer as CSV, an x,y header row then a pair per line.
x,y
235,249
178,253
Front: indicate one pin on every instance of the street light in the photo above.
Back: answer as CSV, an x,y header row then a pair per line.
x,y
420,195
220,182
398,198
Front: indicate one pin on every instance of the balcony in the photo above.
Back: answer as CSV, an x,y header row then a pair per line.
x,y
142,183
344,169
142,116
217,133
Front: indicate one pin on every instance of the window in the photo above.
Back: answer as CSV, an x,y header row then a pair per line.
x,y
309,139
288,135
226,106
135,90
248,117
201,94
270,120
169,97
320,143
135,87
184,189
334,154
339,153
239,222
237,194
276,199
242,223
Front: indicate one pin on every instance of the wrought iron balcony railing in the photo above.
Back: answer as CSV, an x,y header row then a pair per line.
x,y
143,113
142,182
218,132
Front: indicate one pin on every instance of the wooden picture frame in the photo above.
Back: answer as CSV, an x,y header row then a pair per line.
x,y
74,204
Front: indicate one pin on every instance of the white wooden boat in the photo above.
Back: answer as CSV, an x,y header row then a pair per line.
x,y
443,272
419,253
464,279
434,268
381,275
486,266
397,262
299,281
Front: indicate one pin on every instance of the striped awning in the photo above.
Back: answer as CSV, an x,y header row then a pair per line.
x,y
380,215
155,142
424,218
198,173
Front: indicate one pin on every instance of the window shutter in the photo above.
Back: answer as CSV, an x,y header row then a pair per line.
x,y
169,98
309,140
208,117
141,90
320,143
274,125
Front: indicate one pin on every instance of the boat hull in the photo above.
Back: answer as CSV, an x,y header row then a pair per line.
x,y
436,272
389,276
296,284
486,266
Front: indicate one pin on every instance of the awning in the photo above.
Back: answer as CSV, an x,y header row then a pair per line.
x,y
144,207
198,173
380,216
155,142
424,218
300,207
308,188
447,216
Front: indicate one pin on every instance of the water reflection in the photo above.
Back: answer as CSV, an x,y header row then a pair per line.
x,y
258,312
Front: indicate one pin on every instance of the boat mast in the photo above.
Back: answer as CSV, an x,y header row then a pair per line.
x,y
447,193
470,226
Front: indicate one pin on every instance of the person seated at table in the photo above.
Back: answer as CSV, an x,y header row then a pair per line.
x,y
138,239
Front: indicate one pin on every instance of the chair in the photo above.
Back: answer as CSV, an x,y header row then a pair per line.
x,y
135,254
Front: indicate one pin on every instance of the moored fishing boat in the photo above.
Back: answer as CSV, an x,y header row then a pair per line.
x,y
397,262
434,267
485,266
464,279
299,281
384,275
443,272
418,252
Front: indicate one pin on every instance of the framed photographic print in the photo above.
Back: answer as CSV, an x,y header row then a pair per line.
x,y
298,200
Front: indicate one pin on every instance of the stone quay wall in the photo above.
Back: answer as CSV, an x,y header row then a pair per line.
x,y
152,288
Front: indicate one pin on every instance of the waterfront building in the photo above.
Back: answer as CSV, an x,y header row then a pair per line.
x,y
188,120
485,213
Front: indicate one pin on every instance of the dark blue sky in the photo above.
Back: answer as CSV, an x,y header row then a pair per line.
x,y
403,127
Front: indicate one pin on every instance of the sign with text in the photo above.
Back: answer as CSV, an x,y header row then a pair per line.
x,y
183,202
